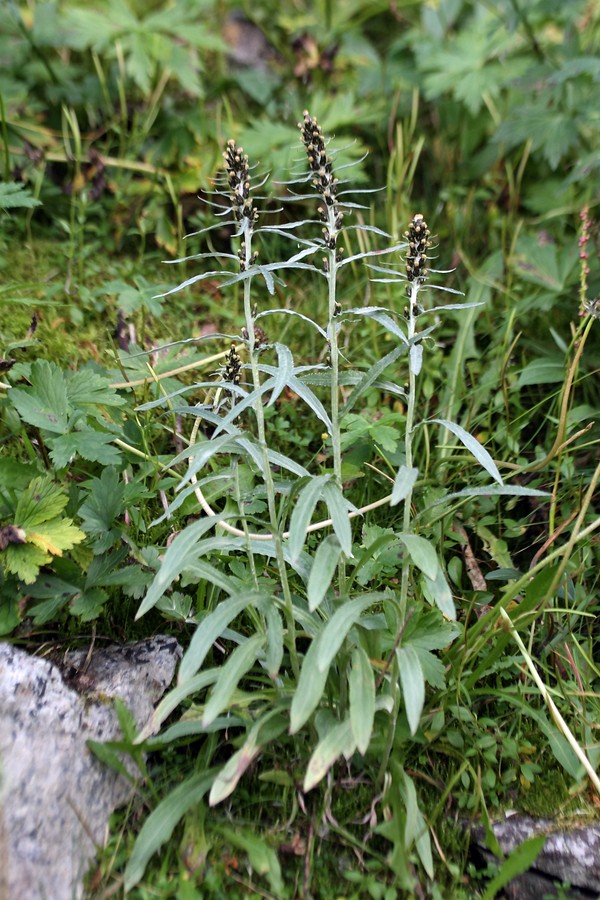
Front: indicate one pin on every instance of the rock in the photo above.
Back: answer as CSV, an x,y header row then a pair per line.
x,y
55,795
571,856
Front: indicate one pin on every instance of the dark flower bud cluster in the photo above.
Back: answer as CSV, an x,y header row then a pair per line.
x,y
233,366
416,256
238,177
323,180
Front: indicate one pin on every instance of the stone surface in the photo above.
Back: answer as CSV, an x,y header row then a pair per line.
x,y
55,796
568,856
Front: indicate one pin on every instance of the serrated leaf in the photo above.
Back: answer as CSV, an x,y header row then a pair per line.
x,y
361,692
41,501
95,446
413,685
472,444
24,561
44,403
13,194
86,388
56,536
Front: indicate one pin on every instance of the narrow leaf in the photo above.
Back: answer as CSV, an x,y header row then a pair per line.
x,y
308,498
241,661
324,565
473,446
339,508
159,826
413,684
422,553
309,691
361,684
334,633
174,562
403,484
209,630
520,860
337,742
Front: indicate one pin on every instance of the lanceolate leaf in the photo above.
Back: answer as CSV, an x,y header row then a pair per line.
x,y
159,825
324,565
403,483
334,633
241,661
474,447
308,498
361,683
210,629
422,553
413,685
337,742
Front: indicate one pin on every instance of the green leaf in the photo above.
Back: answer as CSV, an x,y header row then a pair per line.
x,y
44,404
416,830
177,555
88,390
310,688
159,826
283,373
55,536
422,553
229,776
104,504
474,447
334,633
324,565
338,740
519,861
210,628
339,508
438,593
542,371
413,684
14,194
274,652
403,484
263,859
304,507
40,501
361,685
241,661
96,446
174,697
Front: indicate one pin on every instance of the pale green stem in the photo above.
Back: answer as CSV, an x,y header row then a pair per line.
x,y
406,525
268,476
408,450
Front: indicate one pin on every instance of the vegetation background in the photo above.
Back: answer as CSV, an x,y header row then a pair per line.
x,y
484,118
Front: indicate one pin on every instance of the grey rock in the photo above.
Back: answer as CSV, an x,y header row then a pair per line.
x,y
571,856
55,795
